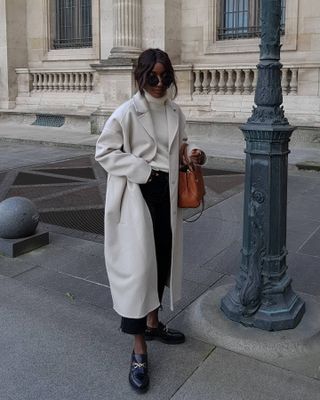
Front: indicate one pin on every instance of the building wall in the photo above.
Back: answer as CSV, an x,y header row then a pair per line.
x,y
201,49
106,28
13,47
199,44
3,56
186,29
38,37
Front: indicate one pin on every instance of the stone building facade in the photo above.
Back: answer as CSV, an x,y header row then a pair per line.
x,y
75,57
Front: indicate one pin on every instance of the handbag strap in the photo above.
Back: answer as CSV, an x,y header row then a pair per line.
x,y
183,157
198,214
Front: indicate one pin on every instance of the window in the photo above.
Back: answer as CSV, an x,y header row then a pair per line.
x,y
241,19
71,24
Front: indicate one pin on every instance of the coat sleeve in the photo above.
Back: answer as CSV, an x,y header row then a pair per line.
x,y
184,137
110,154
182,122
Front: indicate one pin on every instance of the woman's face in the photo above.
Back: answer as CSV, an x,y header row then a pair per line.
x,y
160,89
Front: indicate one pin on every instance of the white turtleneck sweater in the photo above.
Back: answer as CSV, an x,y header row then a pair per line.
x,y
160,123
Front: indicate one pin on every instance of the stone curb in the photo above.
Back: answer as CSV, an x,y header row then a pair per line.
x,y
207,322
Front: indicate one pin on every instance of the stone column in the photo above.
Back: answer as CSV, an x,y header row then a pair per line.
x,y
127,34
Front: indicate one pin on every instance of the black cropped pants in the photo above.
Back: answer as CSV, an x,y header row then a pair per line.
x,y
157,196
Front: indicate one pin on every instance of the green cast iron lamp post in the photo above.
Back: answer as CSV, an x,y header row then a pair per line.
x,y
263,296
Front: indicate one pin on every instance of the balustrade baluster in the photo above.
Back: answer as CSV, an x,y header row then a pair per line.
x,y
284,81
55,82
88,81
294,82
197,82
40,82
82,82
255,80
77,82
214,81
230,82
71,81
49,82
205,82
34,82
222,81
60,83
45,82
66,82
246,83
91,80
238,83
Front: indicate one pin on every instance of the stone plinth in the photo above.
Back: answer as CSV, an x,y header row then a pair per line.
x,y
16,247
116,82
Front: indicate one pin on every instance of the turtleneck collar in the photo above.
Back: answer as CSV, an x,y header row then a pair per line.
x,y
156,100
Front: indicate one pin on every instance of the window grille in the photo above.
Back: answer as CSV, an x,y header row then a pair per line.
x,y
241,19
71,24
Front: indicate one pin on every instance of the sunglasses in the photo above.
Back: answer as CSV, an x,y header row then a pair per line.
x,y
153,80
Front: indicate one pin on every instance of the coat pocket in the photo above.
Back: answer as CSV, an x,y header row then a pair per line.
x,y
116,187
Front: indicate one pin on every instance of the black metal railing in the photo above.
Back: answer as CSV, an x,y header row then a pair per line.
x,y
72,21
241,19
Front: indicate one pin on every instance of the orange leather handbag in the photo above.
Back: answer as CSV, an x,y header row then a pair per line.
x,y
191,183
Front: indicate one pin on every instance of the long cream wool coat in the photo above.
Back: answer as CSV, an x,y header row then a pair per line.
x,y
125,148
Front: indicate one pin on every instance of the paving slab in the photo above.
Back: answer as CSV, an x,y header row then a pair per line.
x,y
228,376
68,285
17,155
213,235
57,257
228,260
63,136
311,246
304,271
12,267
204,320
200,274
299,230
54,349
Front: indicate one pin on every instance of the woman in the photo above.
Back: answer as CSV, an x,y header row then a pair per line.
x,y
139,148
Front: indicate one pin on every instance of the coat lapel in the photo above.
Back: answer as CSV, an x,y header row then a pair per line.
x,y
143,114
173,121
144,117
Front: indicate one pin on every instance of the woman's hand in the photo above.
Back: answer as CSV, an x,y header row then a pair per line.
x,y
197,156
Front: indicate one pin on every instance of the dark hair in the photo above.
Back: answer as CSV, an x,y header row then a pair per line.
x,y
146,62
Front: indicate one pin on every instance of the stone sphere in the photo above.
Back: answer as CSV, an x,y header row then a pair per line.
x,y
18,218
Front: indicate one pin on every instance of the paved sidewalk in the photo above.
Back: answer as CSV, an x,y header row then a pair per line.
x,y
230,147
60,338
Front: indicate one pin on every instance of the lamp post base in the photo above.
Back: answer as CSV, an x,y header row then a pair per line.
x,y
284,312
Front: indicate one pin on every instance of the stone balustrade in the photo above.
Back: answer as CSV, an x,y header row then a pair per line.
x,y
237,80
64,81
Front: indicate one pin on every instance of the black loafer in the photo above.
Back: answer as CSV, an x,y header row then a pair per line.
x,y
164,335
138,376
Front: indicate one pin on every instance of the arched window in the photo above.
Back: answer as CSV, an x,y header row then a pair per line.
x,y
241,19
71,24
